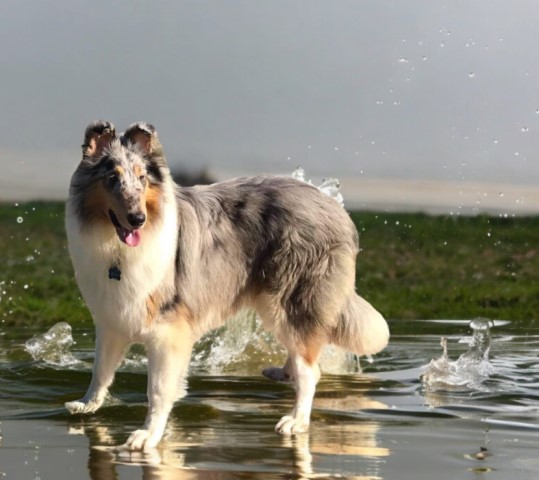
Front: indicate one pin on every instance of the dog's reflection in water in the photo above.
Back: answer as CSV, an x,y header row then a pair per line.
x,y
324,451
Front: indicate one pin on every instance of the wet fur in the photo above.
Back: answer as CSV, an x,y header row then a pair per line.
x,y
269,243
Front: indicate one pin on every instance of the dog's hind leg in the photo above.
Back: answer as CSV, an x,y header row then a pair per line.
x,y
109,351
280,374
306,373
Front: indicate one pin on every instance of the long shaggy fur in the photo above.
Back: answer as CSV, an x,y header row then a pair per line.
x,y
160,264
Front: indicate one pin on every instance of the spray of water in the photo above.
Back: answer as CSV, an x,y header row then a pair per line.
x,y
244,347
470,370
53,346
330,186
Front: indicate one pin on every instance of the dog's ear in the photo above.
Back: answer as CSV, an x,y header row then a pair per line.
x,y
97,137
143,136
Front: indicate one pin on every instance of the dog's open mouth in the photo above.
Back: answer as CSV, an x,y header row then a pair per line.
x,y
129,237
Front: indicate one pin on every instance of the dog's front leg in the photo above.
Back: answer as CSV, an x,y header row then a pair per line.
x,y
169,352
109,351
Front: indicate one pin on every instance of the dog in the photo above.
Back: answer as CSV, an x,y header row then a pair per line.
x,y
160,264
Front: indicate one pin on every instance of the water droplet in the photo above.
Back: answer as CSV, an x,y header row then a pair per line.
x,y
500,194
331,187
524,129
53,346
20,220
403,60
471,75
495,141
299,174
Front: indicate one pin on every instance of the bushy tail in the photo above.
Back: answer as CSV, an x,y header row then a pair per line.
x,y
361,328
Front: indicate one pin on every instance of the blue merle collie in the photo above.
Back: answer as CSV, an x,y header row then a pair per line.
x,y
160,264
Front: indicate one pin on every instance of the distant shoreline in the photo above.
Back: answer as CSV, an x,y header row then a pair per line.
x,y
430,196
25,183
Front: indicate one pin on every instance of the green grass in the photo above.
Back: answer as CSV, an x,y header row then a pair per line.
x,y
37,285
415,266
411,266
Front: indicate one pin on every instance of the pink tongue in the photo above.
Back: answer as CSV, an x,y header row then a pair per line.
x,y
133,238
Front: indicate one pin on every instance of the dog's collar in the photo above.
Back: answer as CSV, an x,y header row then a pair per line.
x,y
115,273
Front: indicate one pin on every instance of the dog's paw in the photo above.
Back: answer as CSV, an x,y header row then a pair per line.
x,y
277,374
80,406
289,425
142,440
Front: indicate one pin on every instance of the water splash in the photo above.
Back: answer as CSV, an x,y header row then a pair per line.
x,y
470,370
52,347
244,347
299,174
240,347
330,186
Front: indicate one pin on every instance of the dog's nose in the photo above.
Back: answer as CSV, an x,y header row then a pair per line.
x,y
136,220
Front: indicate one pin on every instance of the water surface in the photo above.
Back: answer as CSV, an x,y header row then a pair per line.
x,y
381,423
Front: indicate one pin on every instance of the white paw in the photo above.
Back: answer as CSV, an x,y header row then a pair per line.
x,y
143,440
80,406
289,425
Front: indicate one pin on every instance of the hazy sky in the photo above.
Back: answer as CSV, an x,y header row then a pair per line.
x,y
399,89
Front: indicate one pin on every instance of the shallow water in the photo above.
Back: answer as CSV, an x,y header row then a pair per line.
x,y
381,423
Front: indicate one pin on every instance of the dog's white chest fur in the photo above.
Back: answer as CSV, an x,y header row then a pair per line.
x,y
121,304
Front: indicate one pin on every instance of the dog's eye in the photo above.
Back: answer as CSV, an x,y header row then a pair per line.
x,y
112,180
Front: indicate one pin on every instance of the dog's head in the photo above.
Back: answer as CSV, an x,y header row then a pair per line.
x,y
119,181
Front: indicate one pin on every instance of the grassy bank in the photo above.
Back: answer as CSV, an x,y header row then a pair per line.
x,y
411,266
422,267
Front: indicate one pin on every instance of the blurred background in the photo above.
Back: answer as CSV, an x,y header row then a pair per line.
x,y
415,105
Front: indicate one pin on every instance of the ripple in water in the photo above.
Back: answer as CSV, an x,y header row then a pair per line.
x,y
470,370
